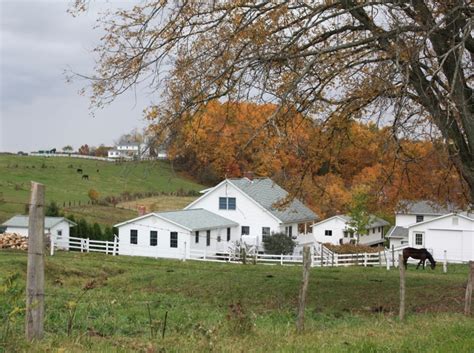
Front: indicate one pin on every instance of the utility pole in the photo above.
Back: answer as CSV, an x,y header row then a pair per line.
x,y
35,268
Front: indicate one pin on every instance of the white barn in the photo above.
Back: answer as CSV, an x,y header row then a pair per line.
x,y
174,234
252,204
59,227
411,212
424,224
336,230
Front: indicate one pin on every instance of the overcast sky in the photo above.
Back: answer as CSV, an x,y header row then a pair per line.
x,y
39,40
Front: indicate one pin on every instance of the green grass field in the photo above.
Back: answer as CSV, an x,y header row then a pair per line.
x,y
64,184
235,308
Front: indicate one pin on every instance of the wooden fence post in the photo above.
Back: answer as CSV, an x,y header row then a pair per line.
x,y
365,259
51,243
115,246
332,259
303,289
401,267
387,263
445,262
87,242
281,259
35,268
470,283
322,258
393,255
380,259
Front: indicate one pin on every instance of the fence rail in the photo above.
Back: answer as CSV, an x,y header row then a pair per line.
x,y
321,256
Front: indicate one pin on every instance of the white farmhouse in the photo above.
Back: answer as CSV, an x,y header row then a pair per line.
x,y
438,229
59,227
253,204
126,150
336,230
174,234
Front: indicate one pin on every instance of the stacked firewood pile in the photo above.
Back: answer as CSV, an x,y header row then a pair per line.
x,y
13,241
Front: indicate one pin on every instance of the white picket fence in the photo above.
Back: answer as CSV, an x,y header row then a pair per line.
x,y
321,256
84,245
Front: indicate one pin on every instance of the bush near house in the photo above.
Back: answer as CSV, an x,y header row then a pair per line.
x,y
278,243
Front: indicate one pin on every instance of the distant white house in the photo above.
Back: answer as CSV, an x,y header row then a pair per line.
x,y
253,203
174,234
58,227
424,224
337,230
126,150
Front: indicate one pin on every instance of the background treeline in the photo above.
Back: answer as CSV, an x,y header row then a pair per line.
x,y
325,164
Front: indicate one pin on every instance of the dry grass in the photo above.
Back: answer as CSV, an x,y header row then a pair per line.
x,y
159,203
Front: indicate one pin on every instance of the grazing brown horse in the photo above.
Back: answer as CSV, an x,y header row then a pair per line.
x,y
419,254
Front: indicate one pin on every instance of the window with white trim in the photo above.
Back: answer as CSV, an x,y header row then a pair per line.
x,y
265,233
227,203
173,239
228,234
153,238
289,231
419,218
418,238
245,230
328,232
133,236
196,236
59,232
208,238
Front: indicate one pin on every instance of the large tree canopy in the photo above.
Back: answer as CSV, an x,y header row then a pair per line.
x,y
408,63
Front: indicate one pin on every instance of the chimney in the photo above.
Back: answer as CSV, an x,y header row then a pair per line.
x,y
141,210
249,175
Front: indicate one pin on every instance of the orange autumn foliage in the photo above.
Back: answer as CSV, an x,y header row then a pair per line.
x,y
321,164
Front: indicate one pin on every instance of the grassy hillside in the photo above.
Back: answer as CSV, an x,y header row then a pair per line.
x,y
235,308
64,184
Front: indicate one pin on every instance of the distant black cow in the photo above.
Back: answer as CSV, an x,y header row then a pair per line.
x,y
97,170
85,176
79,170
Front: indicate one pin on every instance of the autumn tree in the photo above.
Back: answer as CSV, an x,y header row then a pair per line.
x,y
102,151
84,150
93,195
358,212
407,64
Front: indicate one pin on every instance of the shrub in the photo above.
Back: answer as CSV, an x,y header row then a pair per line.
x,y
279,243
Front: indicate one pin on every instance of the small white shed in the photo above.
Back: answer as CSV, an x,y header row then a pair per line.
x,y
58,227
174,234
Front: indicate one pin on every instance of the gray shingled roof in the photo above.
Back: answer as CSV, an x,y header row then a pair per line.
x,y
374,221
267,193
424,208
397,232
22,222
377,222
192,219
196,219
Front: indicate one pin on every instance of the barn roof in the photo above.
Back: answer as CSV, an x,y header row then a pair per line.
x,y
22,221
267,193
191,219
